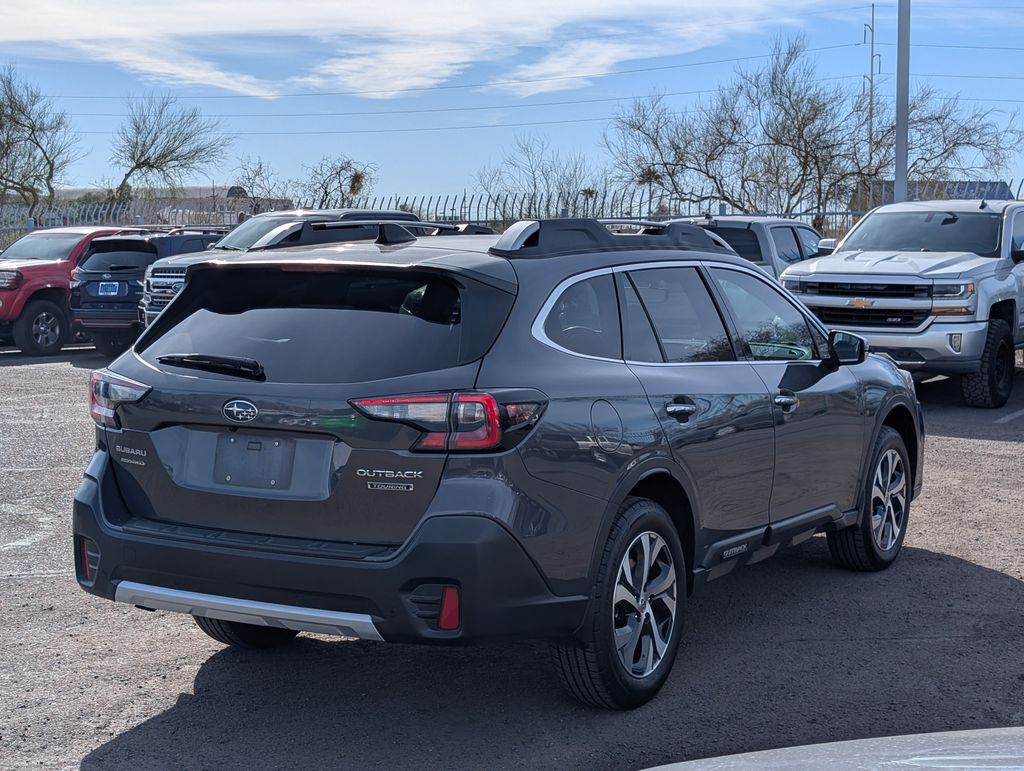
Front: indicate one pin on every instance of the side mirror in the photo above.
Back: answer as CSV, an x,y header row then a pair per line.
x,y
846,347
826,246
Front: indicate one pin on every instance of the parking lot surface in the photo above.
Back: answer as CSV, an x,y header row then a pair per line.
x,y
792,651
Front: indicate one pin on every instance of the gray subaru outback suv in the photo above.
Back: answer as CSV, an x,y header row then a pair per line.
x,y
562,433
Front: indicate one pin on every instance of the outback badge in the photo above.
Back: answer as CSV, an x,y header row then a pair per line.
x,y
240,411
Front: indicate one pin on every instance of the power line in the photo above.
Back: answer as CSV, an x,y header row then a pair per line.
x,y
474,85
428,110
960,47
407,130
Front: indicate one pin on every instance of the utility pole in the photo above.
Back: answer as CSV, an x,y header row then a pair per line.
x,y
902,99
869,37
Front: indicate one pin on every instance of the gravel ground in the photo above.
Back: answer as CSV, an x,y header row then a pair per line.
x,y
789,652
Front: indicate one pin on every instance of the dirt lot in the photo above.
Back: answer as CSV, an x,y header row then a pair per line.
x,y
790,652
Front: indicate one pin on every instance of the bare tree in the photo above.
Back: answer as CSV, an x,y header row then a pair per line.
x,y
781,139
261,182
37,143
531,167
162,141
334,182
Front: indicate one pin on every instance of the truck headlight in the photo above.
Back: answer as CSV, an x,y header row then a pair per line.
x,y
9,279
792,284
951,291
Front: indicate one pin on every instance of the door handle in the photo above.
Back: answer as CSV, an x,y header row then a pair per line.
x,y
788,402
680,411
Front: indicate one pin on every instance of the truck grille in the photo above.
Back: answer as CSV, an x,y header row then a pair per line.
x,y
871,317
844,289
161,286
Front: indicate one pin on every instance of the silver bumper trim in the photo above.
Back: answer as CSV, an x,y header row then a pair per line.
x,y
248,611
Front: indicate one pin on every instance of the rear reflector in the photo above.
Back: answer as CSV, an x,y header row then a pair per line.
x,y
450,619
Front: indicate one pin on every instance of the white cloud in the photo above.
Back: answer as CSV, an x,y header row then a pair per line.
x,y
388,46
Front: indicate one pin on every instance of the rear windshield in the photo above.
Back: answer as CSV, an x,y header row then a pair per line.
x,y
42,246
927,231
743,241
120,259
331,327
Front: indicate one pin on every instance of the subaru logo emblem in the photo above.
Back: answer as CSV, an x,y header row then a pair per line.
x,y
240,411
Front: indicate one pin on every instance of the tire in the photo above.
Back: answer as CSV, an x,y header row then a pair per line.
x,y
591,669
991,386
876,540
112,344
41,329
244,635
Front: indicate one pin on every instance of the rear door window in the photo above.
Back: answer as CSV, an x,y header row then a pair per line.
x,y
341,326
786,245
585,319
685,319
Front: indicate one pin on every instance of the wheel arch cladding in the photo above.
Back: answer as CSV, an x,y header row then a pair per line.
x,y
662,488
52,293
901,420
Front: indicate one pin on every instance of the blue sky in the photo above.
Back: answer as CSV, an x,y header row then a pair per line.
x,y
440,85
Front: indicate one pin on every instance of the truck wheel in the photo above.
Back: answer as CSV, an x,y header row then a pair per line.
x,y
112,344
244,635
41,329
991,385
628,644
875,541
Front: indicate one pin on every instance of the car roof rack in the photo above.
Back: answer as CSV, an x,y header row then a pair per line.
x,y
546,238
388,231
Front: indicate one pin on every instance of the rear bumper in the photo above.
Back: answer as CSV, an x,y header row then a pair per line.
x,y
394,597
123,318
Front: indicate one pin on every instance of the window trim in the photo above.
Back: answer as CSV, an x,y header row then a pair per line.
x,y
537,328
1017,220
809,318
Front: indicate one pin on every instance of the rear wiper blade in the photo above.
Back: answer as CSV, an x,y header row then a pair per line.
x,y
225,365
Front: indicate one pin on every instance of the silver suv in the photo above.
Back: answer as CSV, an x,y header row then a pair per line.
x,y
937,285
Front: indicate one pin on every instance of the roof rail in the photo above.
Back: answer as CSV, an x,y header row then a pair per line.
x,y
545,238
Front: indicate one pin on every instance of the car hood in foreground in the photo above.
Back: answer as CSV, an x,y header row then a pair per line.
x,y
889,263
994,748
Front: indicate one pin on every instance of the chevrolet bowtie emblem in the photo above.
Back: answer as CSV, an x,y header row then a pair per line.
x,y
860,302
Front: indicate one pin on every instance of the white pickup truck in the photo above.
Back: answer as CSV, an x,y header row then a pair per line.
x,y
937,285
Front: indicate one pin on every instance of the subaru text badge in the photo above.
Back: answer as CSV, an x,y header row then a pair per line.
x,y
240,411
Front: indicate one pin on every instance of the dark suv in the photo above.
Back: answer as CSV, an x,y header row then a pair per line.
x,y
559,433
106,287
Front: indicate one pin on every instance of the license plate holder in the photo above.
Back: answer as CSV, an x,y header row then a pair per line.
x,y
254,462
109,288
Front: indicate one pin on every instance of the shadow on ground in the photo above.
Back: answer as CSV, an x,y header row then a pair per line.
x,y
791,652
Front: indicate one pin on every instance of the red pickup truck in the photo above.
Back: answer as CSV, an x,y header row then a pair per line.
x,y
35,284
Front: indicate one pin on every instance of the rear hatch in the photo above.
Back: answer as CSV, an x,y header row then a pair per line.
x,y
267,441
110,276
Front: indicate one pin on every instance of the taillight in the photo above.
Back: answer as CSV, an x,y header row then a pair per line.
x,y
107,392
460,421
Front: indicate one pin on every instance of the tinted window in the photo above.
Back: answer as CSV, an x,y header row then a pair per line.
x,y
743,241
119,260
1017,234
638,340
251,231
339,327
771,326
808,242
786,245
42,246
685,318
926,231
585,319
